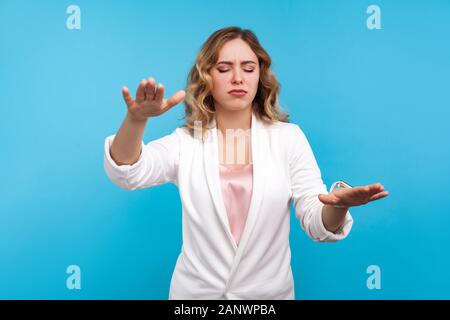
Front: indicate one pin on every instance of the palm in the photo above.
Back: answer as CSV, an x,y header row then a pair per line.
x,y
356,196
150,100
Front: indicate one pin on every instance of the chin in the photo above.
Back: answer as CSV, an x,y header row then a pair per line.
x,y
237,106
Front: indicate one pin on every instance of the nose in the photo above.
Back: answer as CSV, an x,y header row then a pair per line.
x,y
237,76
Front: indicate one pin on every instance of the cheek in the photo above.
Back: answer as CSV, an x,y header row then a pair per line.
x,y
254,82
219,82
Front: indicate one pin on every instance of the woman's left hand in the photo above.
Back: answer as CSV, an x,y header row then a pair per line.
x,y
356,196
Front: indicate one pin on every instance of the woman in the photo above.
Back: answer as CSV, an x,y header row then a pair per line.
x,y
237,162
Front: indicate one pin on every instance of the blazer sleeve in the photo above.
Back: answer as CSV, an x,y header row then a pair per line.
x,y
306,185
157,164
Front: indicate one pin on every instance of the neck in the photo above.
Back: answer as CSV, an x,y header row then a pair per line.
x,y
236,119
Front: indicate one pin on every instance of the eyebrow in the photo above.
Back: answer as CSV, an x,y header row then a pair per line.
x,y
231,63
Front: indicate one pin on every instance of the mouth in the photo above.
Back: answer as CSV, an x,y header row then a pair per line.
x,y
238,93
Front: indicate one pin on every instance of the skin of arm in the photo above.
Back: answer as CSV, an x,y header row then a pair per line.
x,y
333,218
126,147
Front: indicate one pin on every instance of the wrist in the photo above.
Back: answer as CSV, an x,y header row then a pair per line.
x,y
133,119
333,218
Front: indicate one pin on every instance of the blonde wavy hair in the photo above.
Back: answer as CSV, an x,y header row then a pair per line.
x,y
199,103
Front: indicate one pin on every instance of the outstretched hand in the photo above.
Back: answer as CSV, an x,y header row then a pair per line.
x,y
356,196
150,100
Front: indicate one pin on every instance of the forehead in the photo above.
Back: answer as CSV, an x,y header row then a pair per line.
x,y
236,50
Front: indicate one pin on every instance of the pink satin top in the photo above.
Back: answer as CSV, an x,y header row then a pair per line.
x,y
237,185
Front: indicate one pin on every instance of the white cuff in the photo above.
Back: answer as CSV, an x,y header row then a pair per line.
x,y
120,174
325,235
125,168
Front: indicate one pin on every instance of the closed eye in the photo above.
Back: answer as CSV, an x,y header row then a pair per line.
x,y
222,71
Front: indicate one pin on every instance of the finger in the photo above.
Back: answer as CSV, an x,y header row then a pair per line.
x,y
174,100
376,186
140,93
379,196
375,189
127,96
326,199
150,89
366,191
360,191
159,94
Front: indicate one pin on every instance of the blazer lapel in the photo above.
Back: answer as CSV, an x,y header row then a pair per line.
x,y
259,151
211,165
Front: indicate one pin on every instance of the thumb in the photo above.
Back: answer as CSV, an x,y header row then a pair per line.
x,y
324,198
173,100
127,97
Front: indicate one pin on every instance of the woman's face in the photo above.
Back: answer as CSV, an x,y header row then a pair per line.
x,y
236,69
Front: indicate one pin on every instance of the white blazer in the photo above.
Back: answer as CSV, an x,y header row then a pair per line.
x,y
210,265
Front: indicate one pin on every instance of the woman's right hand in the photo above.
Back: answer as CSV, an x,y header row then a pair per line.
x,y
150,100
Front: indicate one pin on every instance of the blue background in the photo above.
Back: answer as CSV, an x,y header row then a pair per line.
x,y
374,105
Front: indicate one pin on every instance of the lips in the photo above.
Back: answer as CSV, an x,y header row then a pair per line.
x,y
238,93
